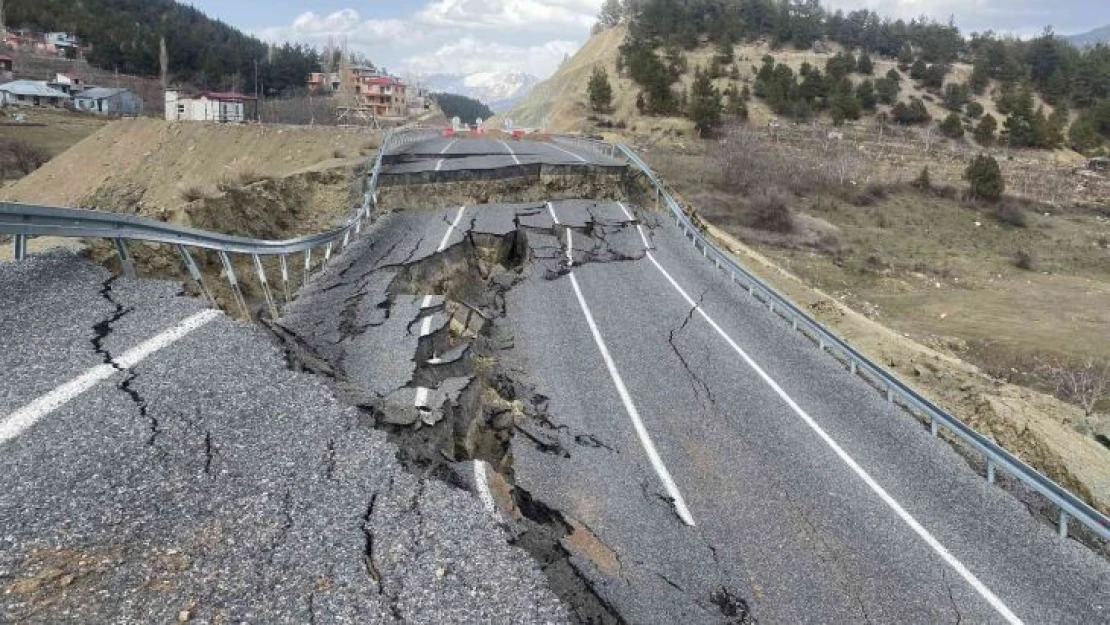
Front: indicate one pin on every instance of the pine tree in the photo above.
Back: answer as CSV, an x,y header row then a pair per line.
x,y
599,90
865,65
984,132
984,178
952,127
705,104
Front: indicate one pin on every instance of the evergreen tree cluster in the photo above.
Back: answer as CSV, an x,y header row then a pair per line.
x,y
1047,66
468,110
125,35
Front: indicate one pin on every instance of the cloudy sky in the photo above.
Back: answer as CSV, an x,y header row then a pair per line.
x,y
464,36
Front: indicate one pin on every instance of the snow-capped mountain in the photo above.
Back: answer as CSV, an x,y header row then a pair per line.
x,y
498,90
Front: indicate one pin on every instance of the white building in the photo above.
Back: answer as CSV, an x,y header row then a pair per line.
x,y
211,106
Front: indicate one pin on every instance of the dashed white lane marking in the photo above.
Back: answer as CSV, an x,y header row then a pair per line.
x,y
570,247
511,153
19,421
439,163
629,406
454,226
426,323
483,486
421,397
551,211
906,517
568,152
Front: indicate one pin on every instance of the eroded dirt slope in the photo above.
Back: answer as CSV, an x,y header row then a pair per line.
x,y
154,162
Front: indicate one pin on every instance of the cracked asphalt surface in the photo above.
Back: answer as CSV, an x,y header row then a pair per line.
x,y
211,483
455,334
463,154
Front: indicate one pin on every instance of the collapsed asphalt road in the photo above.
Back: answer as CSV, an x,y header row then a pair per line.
x,y
666,449
199,479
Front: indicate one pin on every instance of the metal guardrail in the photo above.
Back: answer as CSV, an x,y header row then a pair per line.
x,y
24,221
997,458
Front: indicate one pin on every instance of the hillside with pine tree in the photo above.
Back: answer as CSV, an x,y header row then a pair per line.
x,y
126,36
711,62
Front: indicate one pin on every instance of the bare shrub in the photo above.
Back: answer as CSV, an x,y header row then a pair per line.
x,y
750,161
1023,260
193,192
1011,214
1083,382
869,195
21,157
248,176
768,210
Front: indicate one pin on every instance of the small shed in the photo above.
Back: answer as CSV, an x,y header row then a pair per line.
x,y
31,93
106,101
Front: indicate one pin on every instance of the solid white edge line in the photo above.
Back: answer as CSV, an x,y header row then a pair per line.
x,y
641,431
511,153
439,164
448,146
454,225
19,421
482,485
906,517
568,152
570,247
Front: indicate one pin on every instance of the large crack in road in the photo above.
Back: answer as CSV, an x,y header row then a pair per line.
x,y
453,400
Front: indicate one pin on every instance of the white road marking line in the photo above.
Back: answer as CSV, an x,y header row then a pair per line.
x,y
568,152
637,423
454,226
426,323
909,520
570,247
439,163
483,486
426,302
639,227
511,153
19,421
421,397
554,217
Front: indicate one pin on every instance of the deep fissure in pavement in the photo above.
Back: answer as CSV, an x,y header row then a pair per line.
x,y
451,304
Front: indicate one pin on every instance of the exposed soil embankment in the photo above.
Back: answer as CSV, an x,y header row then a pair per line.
x,y
270,182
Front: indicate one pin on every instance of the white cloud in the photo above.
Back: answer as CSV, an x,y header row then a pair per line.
x,y
528,15
468,55
345,25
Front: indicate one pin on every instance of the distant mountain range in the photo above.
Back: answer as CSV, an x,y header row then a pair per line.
x,y
1090,38
498,90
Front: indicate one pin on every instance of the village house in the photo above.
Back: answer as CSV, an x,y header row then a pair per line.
x,y
211,106
31,93
70,82
108,101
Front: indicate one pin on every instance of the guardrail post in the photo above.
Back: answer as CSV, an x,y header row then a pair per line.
x,y
852,367
127,265
890,394
19,246
307,265
194,273
1062,523
990,471
235,290
934,426
284,276
346,239
265,286
327,252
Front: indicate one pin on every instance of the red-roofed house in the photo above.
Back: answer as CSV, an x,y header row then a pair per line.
x,y
211,106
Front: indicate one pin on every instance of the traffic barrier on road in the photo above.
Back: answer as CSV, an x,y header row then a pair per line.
x,y
24,221
1068,505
